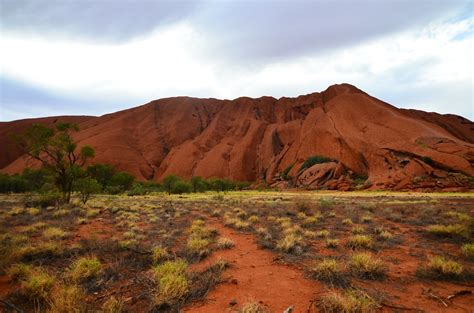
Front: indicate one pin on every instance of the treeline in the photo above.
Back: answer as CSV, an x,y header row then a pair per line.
x,y
103,178
64,171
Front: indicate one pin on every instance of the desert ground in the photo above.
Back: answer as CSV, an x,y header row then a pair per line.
x,y
248,251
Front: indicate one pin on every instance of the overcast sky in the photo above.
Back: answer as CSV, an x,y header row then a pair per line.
x,y
92,57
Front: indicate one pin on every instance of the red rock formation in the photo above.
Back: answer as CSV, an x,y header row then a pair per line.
x,y
256,139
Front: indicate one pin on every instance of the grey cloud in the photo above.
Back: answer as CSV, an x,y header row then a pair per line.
x,y
102,20
271,30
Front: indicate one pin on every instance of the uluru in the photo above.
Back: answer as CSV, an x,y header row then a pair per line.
x,y
364,141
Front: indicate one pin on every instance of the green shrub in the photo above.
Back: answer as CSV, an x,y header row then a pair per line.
x,y
312,160
286,171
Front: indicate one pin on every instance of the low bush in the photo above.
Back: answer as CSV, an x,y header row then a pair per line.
x,y
313,160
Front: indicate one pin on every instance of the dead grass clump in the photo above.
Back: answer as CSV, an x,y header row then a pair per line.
x,y
364,265
66,299
253,307
351,301
224,243
112,305
291,243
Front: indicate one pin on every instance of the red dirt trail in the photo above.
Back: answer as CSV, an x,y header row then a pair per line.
x,y
253,276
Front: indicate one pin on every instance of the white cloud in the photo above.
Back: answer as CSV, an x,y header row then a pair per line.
x,y
173,61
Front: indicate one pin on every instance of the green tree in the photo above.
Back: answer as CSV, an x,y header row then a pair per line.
x,y
198,184
103,173
57,152
86,186
217,184
181,187
169,182
122,180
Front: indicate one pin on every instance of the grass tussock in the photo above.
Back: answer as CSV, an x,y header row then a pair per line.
x,y
364,265
328,270
468,249
159,254
361,242
253,307
441,268
54,233
332,243
225,243
350,301
112,305
451,230
291,243
37,285
66,299
85,268
172,281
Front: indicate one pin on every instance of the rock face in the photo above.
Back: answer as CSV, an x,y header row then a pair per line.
x,y
371,144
